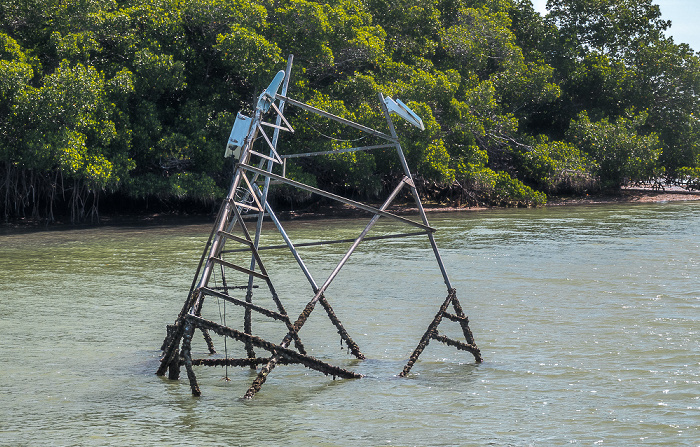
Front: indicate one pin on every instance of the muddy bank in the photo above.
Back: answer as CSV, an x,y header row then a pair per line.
x,y
630,195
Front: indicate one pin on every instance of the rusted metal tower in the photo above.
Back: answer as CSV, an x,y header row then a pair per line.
x,y
257,155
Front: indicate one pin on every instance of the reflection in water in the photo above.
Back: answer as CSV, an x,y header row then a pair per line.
x,y
587,318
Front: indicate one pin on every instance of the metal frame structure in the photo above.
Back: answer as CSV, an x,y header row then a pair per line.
x,y
248,194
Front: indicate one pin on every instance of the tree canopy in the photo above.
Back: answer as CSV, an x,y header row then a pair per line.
x,y
133,100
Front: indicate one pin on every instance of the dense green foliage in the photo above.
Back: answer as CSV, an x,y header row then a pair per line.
x,y
134,99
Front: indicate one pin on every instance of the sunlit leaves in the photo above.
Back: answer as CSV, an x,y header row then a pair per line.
x,y
78,47
557,167
426,150
412,27
613,27
249,55
329,39
667,78
304,27
482,41
67,125
122,82
140,95
210,18
620,152
158,73
15,72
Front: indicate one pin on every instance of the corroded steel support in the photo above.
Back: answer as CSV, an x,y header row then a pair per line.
x,y
262,375
428,334
250,361
278,350
432,333
253,293
344,336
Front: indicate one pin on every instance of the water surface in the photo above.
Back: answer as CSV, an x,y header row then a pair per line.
x,y
587,318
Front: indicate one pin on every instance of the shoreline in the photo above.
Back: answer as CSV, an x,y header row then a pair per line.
x,y
626,195
632,195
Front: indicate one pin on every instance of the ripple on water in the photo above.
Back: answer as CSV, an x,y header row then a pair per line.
x,y
586,317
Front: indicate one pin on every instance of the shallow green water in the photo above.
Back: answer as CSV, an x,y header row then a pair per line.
x,y
587,318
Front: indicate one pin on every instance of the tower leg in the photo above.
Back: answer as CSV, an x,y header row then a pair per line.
x,y
187,356
341,329
274,359
170,359
464,323
428,335
174,369
248,325
209,341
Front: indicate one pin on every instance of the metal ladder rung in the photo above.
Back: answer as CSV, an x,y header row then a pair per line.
x,y
243,205
453,343
228,235
455,318
239,268
251,306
